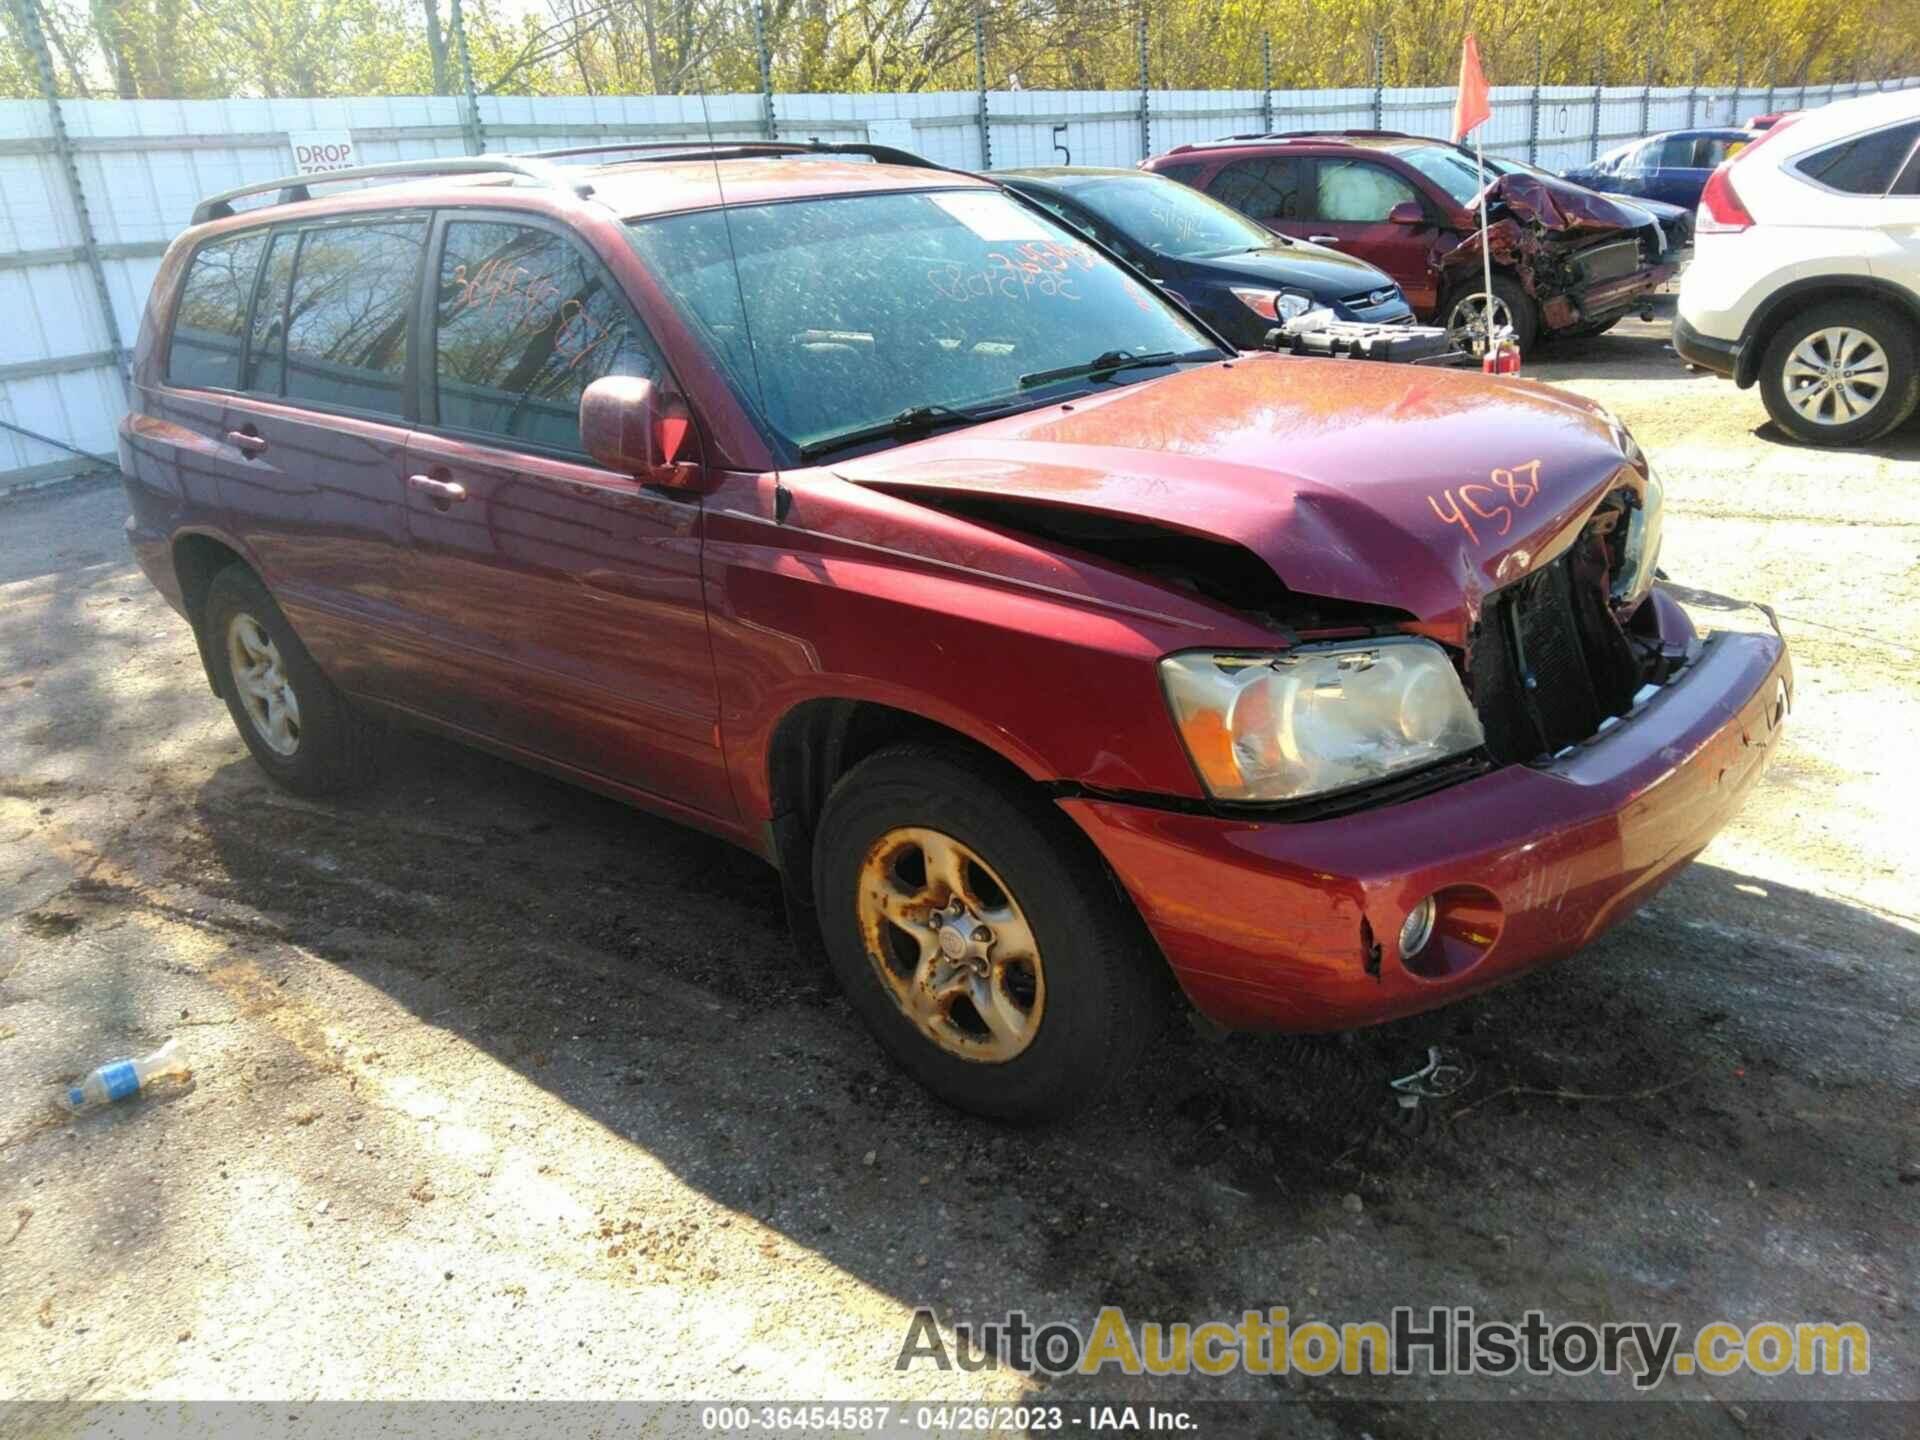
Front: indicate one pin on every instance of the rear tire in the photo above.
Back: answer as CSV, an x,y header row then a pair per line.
x,y
303,732
1842,373
1068,990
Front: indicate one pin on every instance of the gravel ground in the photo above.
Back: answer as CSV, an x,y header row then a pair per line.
x,y
502,1091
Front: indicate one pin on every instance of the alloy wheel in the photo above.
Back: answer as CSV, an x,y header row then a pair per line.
x,y
1835,376
261,679
951,945
1467,322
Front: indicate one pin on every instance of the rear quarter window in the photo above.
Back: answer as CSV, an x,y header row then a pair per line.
x,y
211,317
1864,165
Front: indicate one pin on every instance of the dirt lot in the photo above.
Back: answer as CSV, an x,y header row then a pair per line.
x,y
502,1091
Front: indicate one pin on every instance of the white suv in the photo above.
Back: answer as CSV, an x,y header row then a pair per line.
x,y
1806,270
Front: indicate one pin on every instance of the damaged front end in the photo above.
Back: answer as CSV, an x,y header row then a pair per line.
x,y
1584,258
1562,655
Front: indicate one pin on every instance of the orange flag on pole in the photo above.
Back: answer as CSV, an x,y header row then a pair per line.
x,y
1473,105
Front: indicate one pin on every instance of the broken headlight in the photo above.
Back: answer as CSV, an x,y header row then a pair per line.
x,y
1640,551
1320,718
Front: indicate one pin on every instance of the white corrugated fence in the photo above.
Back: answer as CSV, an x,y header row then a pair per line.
x,y
143,164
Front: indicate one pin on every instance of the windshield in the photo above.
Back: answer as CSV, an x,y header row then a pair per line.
x,y
1449,169
1170,218
865,307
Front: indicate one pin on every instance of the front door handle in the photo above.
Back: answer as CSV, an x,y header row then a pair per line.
x,y
441,492
246,443
1324,239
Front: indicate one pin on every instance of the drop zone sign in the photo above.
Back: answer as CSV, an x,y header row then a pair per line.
x,y
317,151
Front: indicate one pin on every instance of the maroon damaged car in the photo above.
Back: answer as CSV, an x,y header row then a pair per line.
x,y
1566,262
1054,653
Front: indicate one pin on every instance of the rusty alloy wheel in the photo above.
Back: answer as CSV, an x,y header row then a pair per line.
x,y
951,945
261,684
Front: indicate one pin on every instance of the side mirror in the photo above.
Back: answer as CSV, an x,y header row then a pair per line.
x,y
1407,212
627,424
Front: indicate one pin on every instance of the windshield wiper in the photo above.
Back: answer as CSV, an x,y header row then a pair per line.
x,y
1108,362
914,420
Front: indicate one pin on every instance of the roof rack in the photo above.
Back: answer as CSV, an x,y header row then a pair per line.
x,y
1319,134
666,150
295,188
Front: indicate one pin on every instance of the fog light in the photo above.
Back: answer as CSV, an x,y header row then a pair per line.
x,y
1418,929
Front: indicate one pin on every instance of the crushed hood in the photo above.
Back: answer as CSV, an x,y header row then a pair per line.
x,y
1529,216
1560,207
1380,484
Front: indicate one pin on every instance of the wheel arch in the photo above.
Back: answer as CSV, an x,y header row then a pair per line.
x,y
817,741
1790,300
198,556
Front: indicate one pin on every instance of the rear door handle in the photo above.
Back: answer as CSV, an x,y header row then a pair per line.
x,y
245,443
1324,239
442,492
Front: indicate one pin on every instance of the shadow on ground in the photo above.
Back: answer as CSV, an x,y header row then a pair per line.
x,y
1739,1043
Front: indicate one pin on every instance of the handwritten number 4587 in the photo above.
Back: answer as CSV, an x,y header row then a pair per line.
x,y
1492,504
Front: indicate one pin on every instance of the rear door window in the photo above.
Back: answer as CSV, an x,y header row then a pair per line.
x,y
524,322
1866,164
1266,189
1712,149
348,314
211,319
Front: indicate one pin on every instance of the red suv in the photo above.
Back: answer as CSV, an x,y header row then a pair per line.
x,y
1565,260
865,517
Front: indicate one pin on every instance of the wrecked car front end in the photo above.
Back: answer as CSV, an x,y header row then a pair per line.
x,y
1604,737
1584,258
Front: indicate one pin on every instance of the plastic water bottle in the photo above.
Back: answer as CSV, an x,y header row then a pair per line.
x,y
118,1079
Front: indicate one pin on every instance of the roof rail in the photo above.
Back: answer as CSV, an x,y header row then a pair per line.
x,y
743,150
1322,134
294,188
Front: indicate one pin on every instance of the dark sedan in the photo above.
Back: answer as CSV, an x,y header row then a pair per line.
x,y
1238,276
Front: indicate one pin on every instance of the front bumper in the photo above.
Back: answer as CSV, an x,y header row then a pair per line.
x,y
1607,297
1282,926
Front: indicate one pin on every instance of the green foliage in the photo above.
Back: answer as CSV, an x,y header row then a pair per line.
x,y
196,48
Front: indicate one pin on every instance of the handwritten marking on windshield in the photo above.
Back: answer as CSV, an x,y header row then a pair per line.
x,y
1519,485
1037,266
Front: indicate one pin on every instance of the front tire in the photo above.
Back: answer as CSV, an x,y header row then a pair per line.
x,y
303,732
978,938
1465,315
1843,373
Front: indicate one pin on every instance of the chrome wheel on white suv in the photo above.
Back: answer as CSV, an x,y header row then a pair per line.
x,y
1835,375
1841,373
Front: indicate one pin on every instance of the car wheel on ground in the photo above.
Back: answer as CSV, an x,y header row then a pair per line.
x,y
305,734
1841,373
978,939
1465,315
